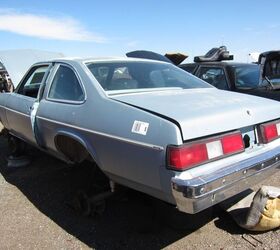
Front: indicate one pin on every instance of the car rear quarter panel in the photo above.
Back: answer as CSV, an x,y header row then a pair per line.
x,y
104,127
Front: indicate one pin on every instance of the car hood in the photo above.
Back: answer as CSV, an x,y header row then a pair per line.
x,y
202,112
17,62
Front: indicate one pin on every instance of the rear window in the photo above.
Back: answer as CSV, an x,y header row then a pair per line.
x,y
116,76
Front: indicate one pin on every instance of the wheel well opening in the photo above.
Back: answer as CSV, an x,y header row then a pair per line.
x,y
71,148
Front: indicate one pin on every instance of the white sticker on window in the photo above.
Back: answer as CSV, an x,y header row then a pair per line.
x,y
139,127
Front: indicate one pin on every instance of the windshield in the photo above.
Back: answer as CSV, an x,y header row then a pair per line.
x,y
247,76
127,77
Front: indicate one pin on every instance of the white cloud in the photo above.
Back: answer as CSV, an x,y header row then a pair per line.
x,y
273,25
57,28
132,44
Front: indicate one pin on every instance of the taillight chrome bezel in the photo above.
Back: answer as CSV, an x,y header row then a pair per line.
x,y
203,141
261,131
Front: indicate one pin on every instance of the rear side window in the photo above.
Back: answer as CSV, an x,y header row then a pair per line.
x,y
66,86
214,76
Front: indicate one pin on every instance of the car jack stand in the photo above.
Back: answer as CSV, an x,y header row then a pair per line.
x,y
17,157
92,204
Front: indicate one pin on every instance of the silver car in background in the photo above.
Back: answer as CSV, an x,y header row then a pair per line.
x,y
148,125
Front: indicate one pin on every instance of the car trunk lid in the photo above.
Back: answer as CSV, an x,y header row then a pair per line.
x,y
175,58
203,112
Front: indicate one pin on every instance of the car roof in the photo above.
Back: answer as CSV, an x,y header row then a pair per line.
x,y
99,60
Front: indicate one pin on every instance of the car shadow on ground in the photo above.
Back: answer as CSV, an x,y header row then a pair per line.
x,y
130,221
225,222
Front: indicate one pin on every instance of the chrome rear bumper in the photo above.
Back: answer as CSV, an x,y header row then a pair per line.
x,y
197,194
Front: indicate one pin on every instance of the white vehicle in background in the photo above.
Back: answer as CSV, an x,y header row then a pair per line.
x,y
19,61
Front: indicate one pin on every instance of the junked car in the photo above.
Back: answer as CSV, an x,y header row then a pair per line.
x,y
218,69
148,125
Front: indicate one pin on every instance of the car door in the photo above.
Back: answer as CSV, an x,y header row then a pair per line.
x,y
61,107
20,105
214,75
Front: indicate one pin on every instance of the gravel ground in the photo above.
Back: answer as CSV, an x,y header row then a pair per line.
x,y
36,213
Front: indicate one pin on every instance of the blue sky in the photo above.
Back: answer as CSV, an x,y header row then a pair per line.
x,y
112,28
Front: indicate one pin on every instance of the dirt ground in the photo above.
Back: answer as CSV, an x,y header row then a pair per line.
x,y
36,213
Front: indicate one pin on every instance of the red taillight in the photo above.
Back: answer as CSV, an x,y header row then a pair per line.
x,y
232,144
270,131
195,153
187,156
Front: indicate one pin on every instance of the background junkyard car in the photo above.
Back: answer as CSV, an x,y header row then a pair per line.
x,y
148,125
260,79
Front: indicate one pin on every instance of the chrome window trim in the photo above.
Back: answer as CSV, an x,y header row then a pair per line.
x,y
148,145
66,101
